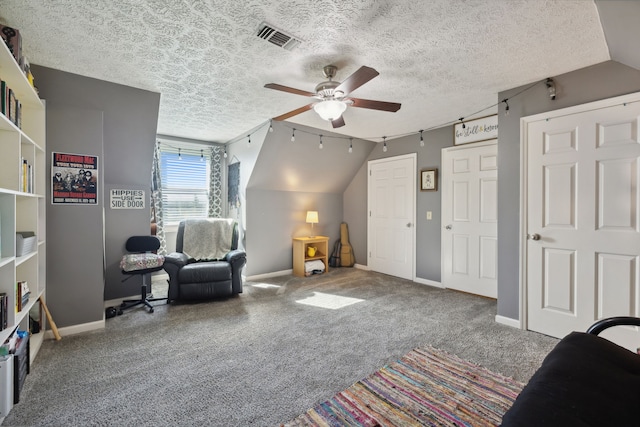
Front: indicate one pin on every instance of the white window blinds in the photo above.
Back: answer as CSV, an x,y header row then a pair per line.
x,y
185,171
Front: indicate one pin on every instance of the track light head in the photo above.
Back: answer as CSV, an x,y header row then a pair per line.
x,y
551,88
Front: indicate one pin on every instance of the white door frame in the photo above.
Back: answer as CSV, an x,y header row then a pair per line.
x,y
414,158
524,146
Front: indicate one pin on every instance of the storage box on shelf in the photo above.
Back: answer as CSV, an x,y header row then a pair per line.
x,y
26,242
21,366
22,201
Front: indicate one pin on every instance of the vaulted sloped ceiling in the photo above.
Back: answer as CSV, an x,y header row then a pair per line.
x,y
442,59
620,24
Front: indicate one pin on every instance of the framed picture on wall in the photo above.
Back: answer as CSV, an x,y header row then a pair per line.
x,y
429,180
476,130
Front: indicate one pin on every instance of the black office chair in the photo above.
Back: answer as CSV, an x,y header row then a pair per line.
x,y
141,260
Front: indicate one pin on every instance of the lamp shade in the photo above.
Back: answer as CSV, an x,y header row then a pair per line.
x,y
312,217
330,109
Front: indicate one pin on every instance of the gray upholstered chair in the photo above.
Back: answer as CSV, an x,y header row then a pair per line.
x,y
207,262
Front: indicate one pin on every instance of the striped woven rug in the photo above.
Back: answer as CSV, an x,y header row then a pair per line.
x,y
426,387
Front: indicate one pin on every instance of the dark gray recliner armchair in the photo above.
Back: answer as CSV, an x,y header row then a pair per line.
x,y
203,274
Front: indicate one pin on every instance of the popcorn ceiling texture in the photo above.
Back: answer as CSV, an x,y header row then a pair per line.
x,y
442,59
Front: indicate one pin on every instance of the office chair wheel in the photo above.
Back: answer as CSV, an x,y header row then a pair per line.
x,y
111,312
151,310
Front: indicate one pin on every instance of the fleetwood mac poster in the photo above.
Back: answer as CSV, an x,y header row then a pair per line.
x,y
74,179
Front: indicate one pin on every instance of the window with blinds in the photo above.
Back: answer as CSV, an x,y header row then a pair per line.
x,y
185,175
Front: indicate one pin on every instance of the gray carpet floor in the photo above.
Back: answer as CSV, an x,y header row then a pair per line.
x,y
260,358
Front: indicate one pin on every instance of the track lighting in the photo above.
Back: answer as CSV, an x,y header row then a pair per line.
x,y
202,155
225,152
249,138
326,105
179,154
551,88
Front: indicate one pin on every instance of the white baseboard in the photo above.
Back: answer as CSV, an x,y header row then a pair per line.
x,y
268,275
76,329
361,267
428,282
514,323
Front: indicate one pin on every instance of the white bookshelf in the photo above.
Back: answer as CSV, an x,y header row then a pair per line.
x,y
22,210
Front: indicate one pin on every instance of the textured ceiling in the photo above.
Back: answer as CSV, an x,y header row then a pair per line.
x,y
442,59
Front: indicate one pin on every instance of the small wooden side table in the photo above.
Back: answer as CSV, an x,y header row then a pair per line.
x,y
300,256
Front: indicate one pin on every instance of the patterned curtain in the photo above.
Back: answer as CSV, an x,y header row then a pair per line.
x,y
215,182
233,191
156,199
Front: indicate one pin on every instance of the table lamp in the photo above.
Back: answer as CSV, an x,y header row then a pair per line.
x,y
312,218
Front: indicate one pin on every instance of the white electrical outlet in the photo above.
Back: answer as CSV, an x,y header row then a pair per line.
x,y
429,215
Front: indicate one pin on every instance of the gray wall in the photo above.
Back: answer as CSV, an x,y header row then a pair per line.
x,y
600,81
619,19
275,217
130,119
75,246
290,178
428,233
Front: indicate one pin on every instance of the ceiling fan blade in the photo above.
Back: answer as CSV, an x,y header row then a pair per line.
x,y
375,105
288,89
357,79
338,123
292,113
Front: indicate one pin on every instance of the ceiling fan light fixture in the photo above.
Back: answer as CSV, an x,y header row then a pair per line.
x,y
330,109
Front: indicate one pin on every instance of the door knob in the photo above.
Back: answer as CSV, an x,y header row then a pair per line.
x,y
448,227
534,236
408,225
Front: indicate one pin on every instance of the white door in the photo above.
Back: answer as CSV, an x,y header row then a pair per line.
x,y
582,247
470,218
391,230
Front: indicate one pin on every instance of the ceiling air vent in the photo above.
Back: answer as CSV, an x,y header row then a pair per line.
x,y
277,37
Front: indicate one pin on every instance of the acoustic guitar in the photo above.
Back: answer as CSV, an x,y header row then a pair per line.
x,y
347,259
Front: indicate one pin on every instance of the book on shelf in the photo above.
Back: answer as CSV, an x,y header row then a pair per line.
x,y
23,175
18,294
12,106
29,179
22,295
26,293
4,101
26,177
4,316
18,115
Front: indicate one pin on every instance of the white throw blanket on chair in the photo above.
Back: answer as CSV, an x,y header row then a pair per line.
x,y
207,239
